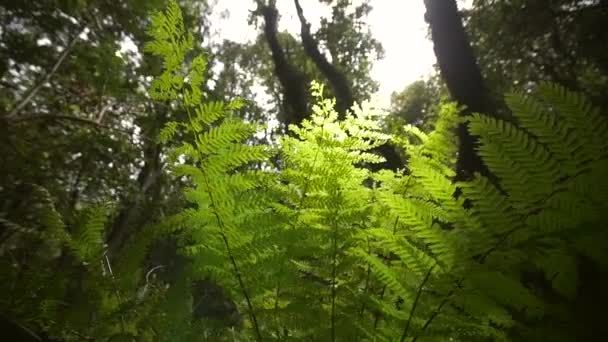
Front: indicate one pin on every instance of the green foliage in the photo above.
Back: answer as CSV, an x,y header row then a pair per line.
x,y
225,194
417,105
525,42
309,250
308,243
58,275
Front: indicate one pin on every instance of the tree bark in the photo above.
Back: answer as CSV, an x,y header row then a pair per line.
x,y
295,90
462,76
336,78
341,87
131,217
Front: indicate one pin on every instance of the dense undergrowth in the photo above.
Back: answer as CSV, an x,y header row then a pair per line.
x,y
309,244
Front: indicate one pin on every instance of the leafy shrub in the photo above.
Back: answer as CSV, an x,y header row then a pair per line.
x,y
318,247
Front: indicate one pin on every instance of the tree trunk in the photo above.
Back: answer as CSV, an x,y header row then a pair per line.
x,y
336,78
341,87
462,76
295,90
131,217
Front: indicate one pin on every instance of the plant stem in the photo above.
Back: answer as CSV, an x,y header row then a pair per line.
x,y
235,267
409,319
29,95
333,284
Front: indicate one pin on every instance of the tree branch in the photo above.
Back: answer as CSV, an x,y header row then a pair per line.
x,y
295,92
409,320
462,76
33,117
63,117
29,95
337,79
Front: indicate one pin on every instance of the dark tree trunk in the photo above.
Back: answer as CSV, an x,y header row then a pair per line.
x,y
462,76
131,217
341,87
13,331
336,78
295,90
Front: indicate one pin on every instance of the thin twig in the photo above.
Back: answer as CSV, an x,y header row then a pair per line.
x,y
436,312
152,271
34,90
123,323
409,319
34,117
76,119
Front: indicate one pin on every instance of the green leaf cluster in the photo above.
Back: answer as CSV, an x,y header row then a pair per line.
x,y
58,273
310,244
318,247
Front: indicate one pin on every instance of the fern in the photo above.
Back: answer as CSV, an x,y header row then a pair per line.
x,y
486,247
87,242
226,221
53,250
558,152
322,248
325,202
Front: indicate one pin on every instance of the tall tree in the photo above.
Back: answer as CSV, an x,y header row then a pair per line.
x,y
336,78
307,61
461,74
291,79
523,42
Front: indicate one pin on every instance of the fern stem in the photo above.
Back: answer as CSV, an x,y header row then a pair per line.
x,y
436,312
333,283
383,291
276,306
312,169
243,289
418,294
306,185
377,313
366,287
235,267
334,273
438,309
368,273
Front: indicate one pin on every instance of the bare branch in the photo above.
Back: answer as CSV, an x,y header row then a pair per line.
x,y
292,82
409,320
33,117
29,95
76,119
336,78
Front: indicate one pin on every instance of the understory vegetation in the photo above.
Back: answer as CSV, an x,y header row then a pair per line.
x,y
307,238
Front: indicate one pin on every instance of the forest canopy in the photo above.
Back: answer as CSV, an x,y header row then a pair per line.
x,y
159,197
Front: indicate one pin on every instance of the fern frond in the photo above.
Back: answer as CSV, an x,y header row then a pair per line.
x,y
517,159
385,273
576,110
89,243
547,127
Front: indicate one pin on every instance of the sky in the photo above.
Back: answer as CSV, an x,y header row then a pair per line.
x,y
398,24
